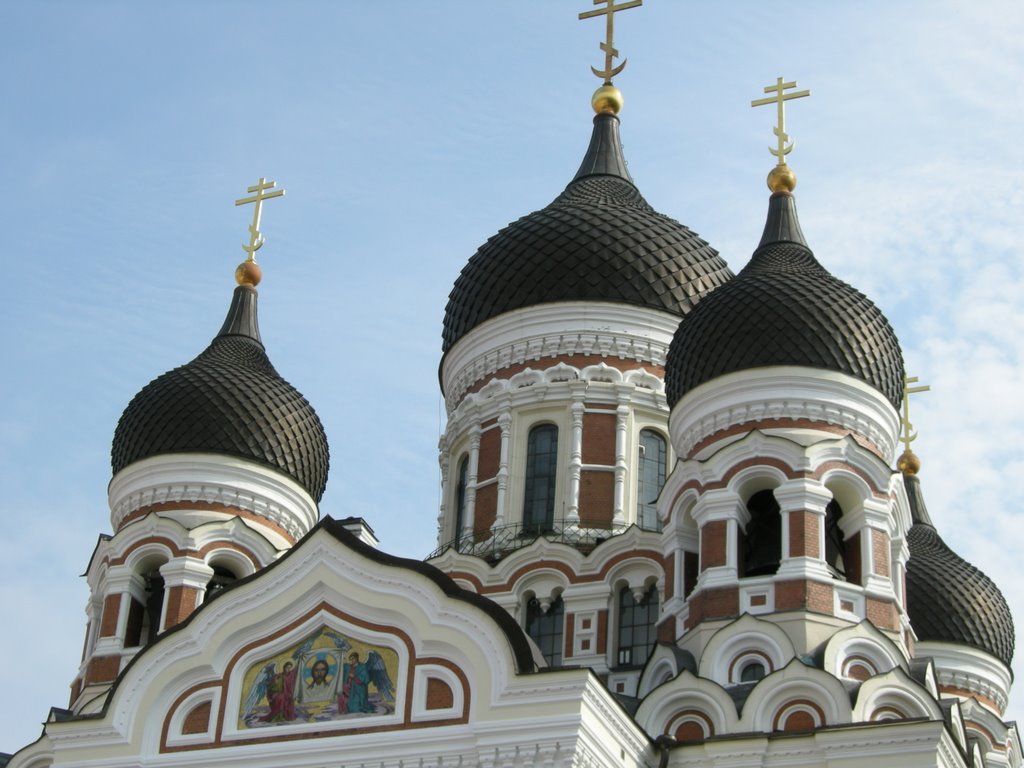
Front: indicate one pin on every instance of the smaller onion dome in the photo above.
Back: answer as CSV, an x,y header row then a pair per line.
x,y
948,599
785,308
597,241
229,400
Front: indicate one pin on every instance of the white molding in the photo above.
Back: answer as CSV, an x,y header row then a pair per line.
x,y
212,479
556,329
784,392
960,666
209,695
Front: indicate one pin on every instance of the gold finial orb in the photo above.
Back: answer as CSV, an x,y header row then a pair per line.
x,y
607,100
782,179
908,463
248,273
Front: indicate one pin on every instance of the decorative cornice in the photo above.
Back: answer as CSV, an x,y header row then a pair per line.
x,y
555,330
964,668
605,384
205,478
786,393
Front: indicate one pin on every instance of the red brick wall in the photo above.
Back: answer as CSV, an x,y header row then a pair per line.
x,y
713,542
803,535
808,595
597,498
881,613
719,603
490,455
108,624
439,694
667,630
181,601
599,438
102,669
485,511
880,552
198,720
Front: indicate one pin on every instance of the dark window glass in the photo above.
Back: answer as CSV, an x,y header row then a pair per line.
x,y
154,606
763,547
752,672
637,626
835,544
460,500
546,628
541,463
651,478
221,578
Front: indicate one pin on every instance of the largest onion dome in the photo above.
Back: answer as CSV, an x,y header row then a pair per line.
x,y
230,401
948,599
785,308
597,241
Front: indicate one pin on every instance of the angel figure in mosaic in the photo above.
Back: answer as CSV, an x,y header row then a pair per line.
x,y
278,688
356,678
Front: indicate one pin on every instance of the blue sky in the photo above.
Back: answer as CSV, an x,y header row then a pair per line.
x,y
406,133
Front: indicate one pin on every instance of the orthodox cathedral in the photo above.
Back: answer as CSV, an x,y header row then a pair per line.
x,y
676,529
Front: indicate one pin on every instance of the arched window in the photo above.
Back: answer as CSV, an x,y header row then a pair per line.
x,y
547,628
752,672
650,478
541,464
460,501
144,618
763,547
835,544
637,626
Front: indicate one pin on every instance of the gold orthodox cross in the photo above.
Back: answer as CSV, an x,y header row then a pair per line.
x,y
261,194
907,429
608,46
780,98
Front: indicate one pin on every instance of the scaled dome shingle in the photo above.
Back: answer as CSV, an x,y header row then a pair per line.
x,y
597,241
228,400
948,599
784,308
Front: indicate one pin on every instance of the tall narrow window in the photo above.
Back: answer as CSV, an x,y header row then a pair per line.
x,y
637,626
460,501
651,478
541,462
763,549
546,628
835,544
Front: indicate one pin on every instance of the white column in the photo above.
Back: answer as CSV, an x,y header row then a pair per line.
x,y
721,504
873,514
444,459
796,496
119,581
578,390
185,572
472,472
505,423
621,440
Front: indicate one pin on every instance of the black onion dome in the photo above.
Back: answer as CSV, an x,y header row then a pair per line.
x,y
784,308
948,599
229,400
598,241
